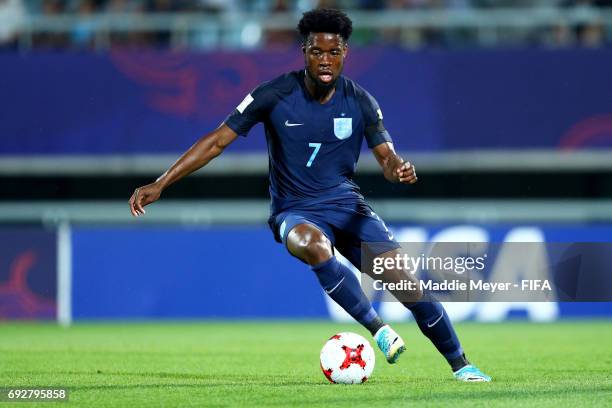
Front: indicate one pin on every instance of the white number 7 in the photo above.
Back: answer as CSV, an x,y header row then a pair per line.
x,y
316,146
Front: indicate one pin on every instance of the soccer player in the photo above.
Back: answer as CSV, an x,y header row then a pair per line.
x,y
315,121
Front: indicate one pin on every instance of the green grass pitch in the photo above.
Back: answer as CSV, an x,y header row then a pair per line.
x,y
276,364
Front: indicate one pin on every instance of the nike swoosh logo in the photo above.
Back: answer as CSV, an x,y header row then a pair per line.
x,y
335,287
292,124
437,320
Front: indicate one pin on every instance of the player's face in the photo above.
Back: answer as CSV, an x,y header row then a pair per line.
x,y
324,55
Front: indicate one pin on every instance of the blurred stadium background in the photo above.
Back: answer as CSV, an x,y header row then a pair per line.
x,y
504,106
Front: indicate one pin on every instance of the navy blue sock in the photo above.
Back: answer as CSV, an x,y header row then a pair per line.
x,y
343,287
435,324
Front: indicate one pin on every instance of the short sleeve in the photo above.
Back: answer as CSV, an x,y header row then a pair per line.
x,y
375,132
253,109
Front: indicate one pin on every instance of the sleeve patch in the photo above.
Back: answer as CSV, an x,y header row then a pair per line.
x,y
245,102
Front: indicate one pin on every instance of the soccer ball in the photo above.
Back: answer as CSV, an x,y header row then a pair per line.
x,y
347,358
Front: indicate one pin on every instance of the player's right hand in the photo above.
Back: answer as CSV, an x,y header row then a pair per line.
x,y
143,196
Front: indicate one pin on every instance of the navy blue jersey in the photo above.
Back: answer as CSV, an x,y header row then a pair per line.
x,y
313,148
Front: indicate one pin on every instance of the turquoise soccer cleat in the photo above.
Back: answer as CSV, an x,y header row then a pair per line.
x,y
390,343
470,373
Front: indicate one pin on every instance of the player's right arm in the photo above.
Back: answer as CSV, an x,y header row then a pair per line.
x,y
253,109
200,154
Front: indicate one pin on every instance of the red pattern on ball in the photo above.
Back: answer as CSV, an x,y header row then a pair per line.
x,y
327,372
353,356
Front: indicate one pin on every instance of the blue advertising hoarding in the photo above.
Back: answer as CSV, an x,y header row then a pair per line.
x,y
230,272
127,102
223,272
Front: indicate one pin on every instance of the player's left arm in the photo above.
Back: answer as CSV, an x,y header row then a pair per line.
x,y
395,169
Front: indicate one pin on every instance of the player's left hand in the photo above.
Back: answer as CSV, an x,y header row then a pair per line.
x,y
406,173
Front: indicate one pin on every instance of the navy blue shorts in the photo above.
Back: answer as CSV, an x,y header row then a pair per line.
x,y
347,226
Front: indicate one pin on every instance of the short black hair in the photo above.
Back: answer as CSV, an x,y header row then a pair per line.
x,y
325,21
